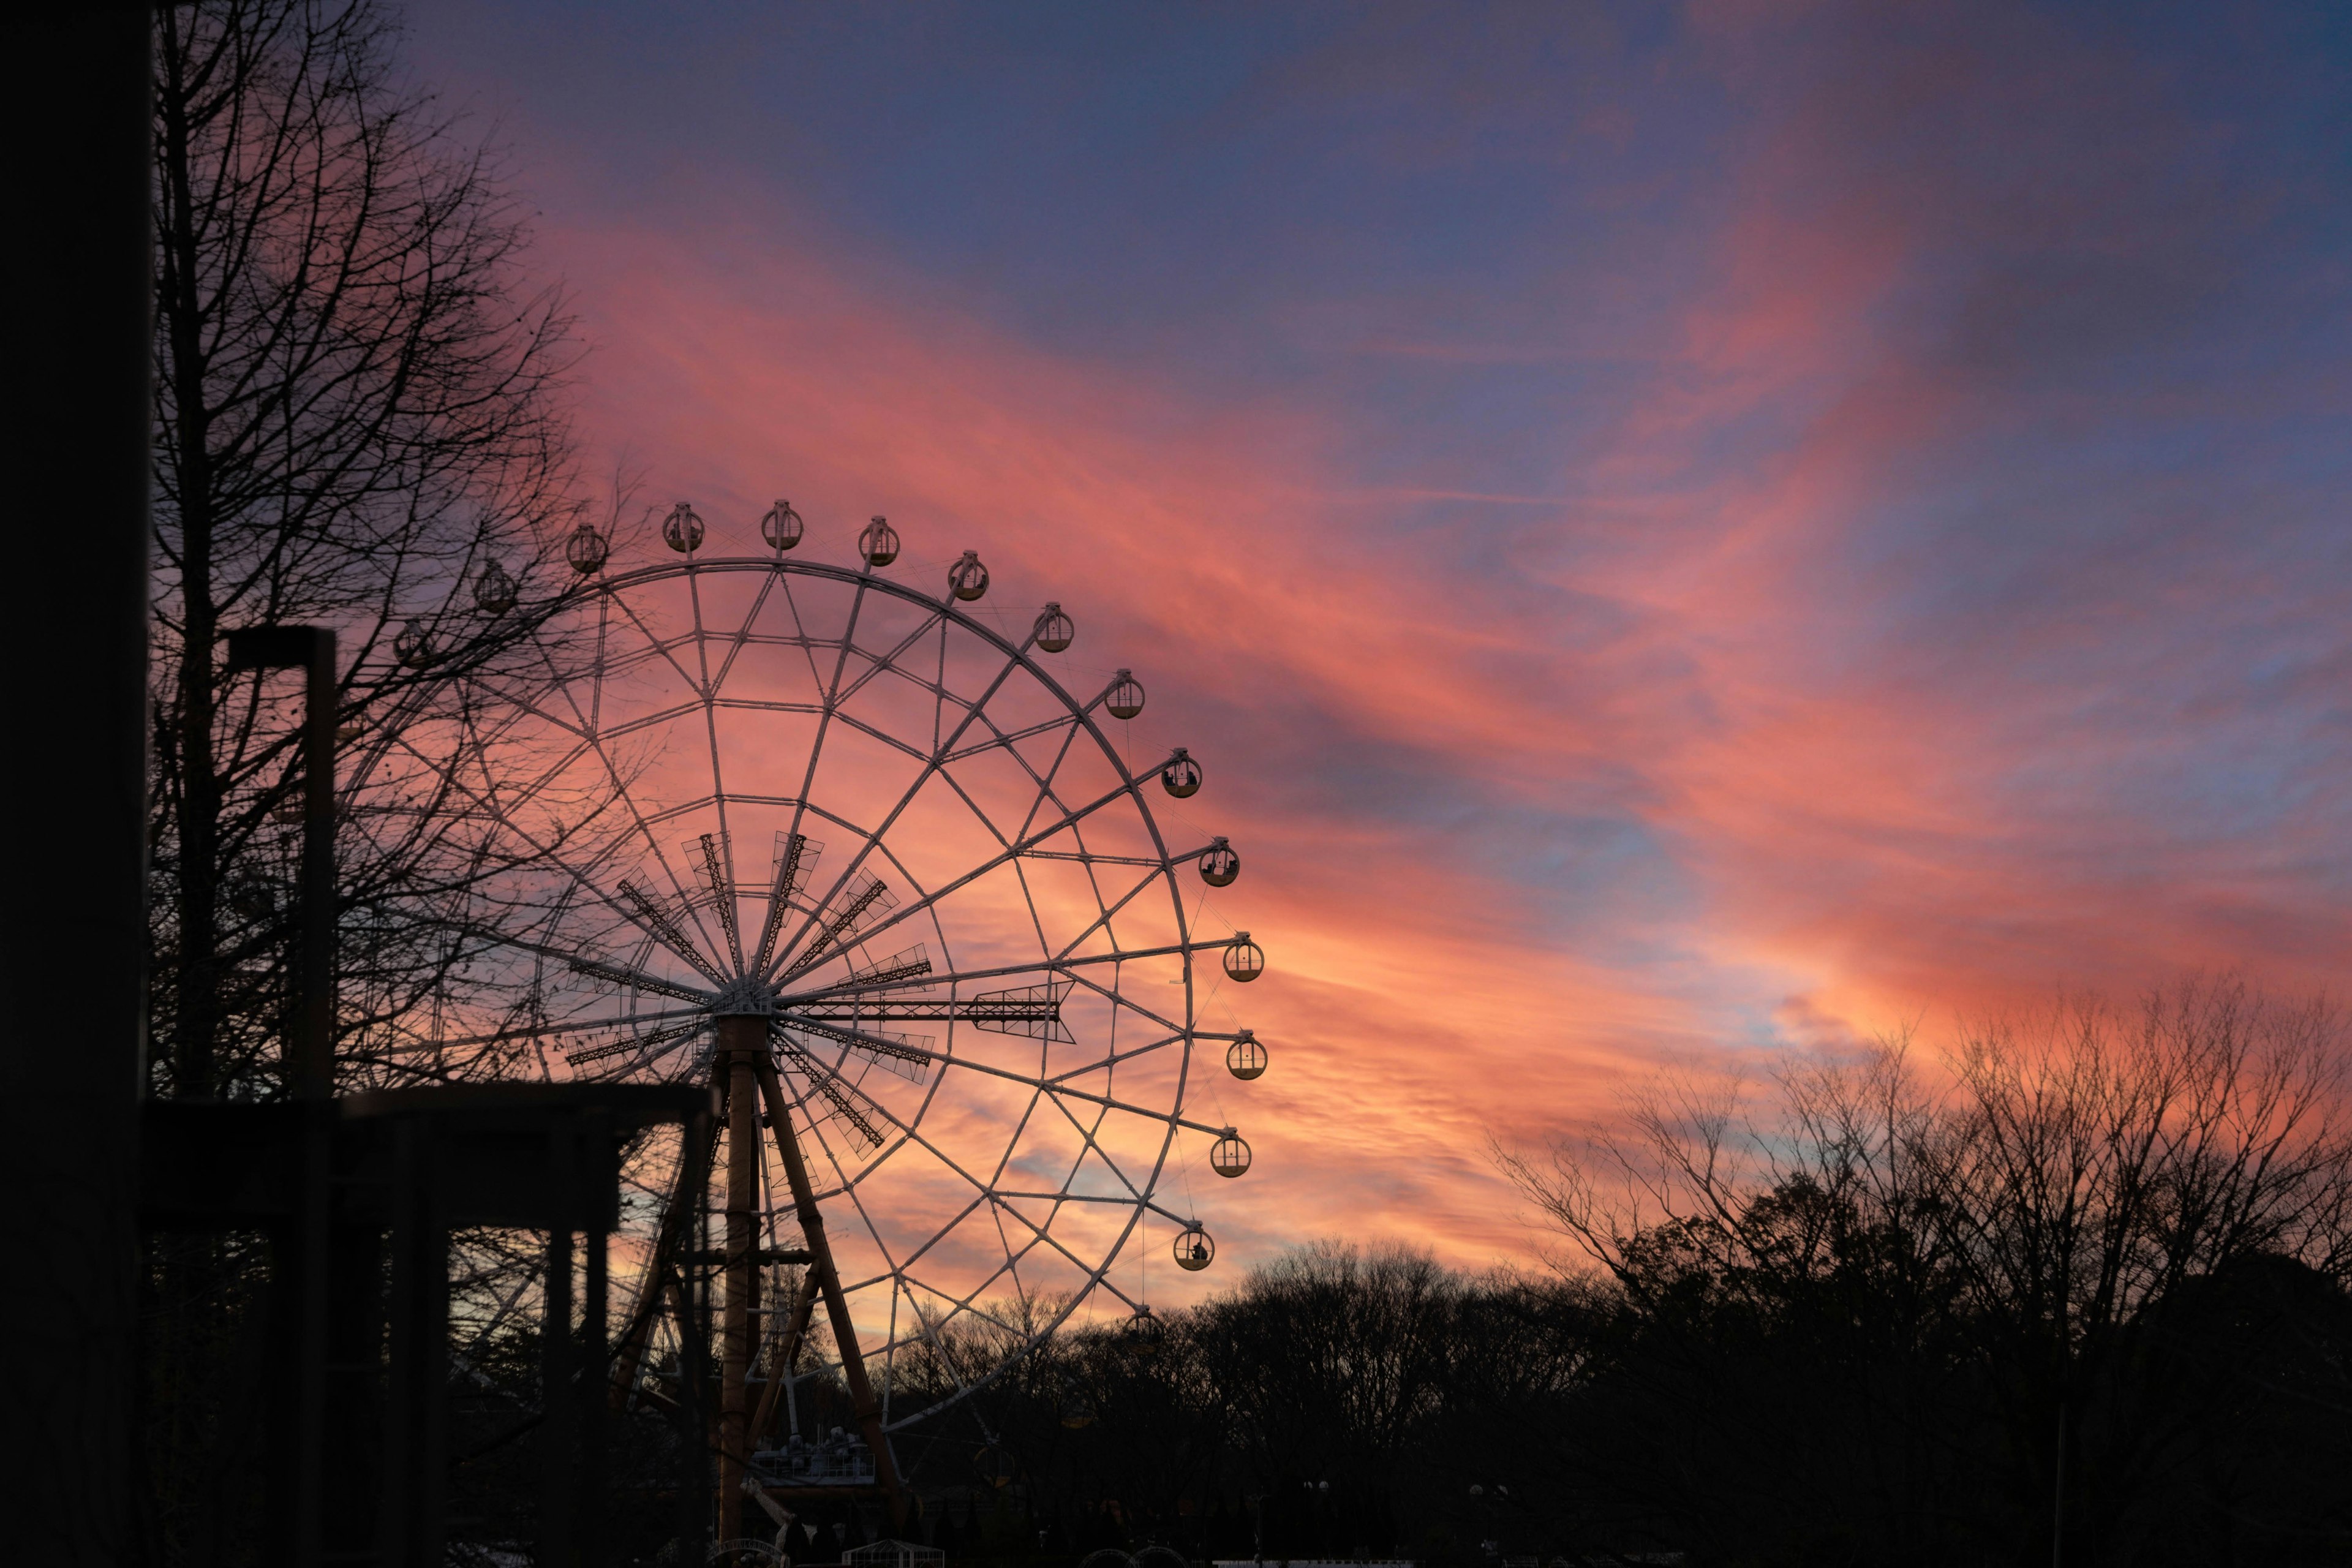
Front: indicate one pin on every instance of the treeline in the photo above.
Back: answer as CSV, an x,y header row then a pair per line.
x,y
2079,1287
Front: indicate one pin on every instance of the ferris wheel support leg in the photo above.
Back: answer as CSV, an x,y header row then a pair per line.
x,y
836,1306
742,1283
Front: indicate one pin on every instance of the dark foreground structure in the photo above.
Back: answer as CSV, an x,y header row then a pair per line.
x,y
71,1087
355,1198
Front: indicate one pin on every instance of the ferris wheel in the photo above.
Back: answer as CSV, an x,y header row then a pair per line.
x,y
884,870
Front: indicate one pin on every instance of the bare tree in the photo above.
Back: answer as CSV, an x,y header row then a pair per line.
x,y
359,425
1918,1290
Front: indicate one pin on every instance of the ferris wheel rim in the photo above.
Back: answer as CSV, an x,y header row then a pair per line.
x,y
924,1298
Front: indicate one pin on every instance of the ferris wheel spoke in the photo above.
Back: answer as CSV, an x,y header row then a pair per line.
x,y
1120,999
653,846
1103,909
844,1099
719,858
486,798
677,888
849,1189
828,688
637,980
1117,1058
974,1302
1028,1333
1090,1132
765,705
1057,1087
641,1050
928,1335
1011,852
808,644
914,1135
932,768
636,917
1069,966
883,737
1071,730
1182,1222
1103,920
923,1250
550,1029
1123,1200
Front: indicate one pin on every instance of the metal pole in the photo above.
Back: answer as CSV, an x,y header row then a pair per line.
x,y
314,1065
309,1059
787,1351
2058,1496
739,1040
310,1056
558,1480
312,1076
595,1370
694,1440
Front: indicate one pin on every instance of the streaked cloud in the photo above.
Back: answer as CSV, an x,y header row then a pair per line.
x,y
1677,538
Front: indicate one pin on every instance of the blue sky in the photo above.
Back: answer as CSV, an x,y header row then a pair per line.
x,y
1685,532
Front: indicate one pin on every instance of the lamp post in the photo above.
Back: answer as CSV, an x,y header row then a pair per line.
x,y
310,1056
311,1063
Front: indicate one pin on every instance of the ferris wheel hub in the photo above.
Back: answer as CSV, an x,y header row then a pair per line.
x,y
744,998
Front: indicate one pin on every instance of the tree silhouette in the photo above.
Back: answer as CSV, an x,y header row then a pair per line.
x,y
358,423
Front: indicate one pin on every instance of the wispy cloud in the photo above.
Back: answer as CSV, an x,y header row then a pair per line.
x,y
1860,539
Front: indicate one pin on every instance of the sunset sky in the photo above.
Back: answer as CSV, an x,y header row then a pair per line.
x,y
1680,535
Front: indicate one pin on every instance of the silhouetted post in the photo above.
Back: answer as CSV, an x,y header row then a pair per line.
x,y
693,1433
557,1478
588,1399
2058,1495
309,1058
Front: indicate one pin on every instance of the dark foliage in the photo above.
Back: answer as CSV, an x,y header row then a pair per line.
x,y
1873,1329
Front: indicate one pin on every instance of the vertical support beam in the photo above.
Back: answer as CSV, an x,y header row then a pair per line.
x,y
693,1448
836,1306
588,1398
787,1351
416,1457
309,1061
741,1042
314,1066
559,1482
313,1079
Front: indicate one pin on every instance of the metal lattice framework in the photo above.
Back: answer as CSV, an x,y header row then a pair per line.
x,y
853,852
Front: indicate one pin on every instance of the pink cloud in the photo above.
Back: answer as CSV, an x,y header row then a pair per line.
x,y
1840,808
